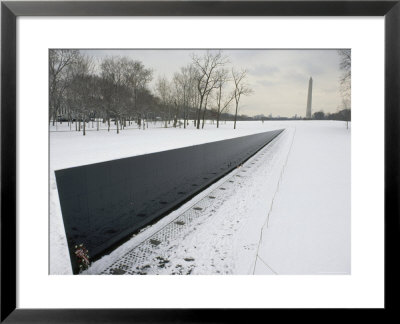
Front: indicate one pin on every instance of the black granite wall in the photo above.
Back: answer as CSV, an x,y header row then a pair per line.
x,y
103,203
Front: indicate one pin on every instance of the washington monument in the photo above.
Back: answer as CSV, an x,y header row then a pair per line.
x,y
309,99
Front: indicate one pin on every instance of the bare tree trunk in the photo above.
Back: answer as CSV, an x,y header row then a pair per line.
x,y
240,89
184,117
199,112
204,115
54,116
234,124
176,115
205,110
198,118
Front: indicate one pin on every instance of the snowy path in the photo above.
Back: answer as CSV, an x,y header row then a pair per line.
x,y
217,232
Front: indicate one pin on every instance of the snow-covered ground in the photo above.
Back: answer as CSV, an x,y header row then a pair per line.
x,y
71,148
309,225
292,208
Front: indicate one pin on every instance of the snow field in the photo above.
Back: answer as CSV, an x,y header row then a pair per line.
x,y
69,149
291,207
309,229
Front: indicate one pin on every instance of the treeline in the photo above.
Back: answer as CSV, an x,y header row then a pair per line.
x,y
344,115
116,89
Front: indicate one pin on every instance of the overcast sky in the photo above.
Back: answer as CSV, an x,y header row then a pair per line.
x,y
279,78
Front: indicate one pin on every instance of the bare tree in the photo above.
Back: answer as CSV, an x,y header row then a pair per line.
x,y
60,61
206,65
222,101
345,79
185,90
205,107
241,89
146,102
180,95
137,77
116,89
83,91
163,89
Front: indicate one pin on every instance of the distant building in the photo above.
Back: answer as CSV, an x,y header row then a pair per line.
x,y
309,98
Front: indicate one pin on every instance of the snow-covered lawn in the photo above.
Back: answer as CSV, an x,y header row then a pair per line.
x,y
69,149
309,226
305,173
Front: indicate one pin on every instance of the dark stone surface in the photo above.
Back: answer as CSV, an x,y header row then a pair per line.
x,y
103,203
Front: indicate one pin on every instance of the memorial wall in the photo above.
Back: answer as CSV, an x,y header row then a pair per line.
x,y
104,203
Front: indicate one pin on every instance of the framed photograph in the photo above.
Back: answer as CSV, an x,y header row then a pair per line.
x,y
242,155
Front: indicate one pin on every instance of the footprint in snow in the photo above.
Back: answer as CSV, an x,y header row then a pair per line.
x,y
188,259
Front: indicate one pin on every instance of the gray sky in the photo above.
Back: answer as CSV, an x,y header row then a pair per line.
x,y
279,78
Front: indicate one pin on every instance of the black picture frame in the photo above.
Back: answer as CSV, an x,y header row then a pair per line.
x,y
11,10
